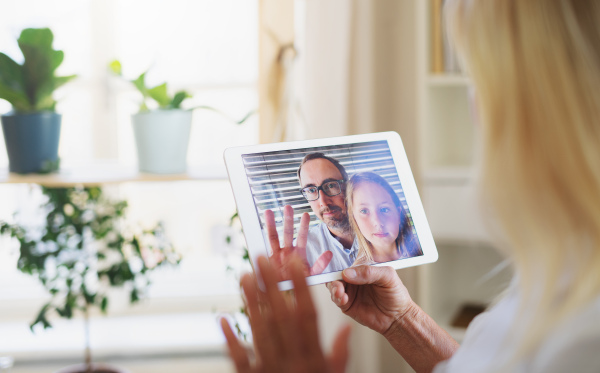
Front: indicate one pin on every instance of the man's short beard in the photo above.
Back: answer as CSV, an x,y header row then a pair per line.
x,y
343,225
336,224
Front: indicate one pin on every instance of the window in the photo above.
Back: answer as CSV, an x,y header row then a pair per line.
x,y
208,47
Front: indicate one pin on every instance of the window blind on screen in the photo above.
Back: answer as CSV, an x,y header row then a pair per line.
x,y
273,176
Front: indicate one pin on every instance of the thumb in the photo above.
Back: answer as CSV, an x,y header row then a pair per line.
x,y
365,274
340,352
321,263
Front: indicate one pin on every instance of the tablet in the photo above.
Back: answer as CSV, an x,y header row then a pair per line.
x,y
358,191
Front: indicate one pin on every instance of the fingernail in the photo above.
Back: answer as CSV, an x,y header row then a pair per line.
x,y
350,273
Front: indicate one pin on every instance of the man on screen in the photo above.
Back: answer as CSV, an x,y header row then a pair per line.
x,y
330,245
323,180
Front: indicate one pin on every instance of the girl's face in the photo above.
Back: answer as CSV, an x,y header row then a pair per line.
x,y
377,216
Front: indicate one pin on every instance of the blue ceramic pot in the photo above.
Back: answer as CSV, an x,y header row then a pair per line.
x,y
31,141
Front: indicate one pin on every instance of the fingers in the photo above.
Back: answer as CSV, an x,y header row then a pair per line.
x,y
272,231
303,231
338,293
286,338
321,263
288,226
340,351
282,330
236,350
380,276
267,347
305,311
250,289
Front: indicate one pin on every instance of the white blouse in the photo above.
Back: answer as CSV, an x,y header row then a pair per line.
x,y
573,346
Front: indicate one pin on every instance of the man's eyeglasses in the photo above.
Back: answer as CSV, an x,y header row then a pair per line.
x,y
330,188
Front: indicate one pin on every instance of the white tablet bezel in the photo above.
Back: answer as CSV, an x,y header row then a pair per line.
x,y
255,241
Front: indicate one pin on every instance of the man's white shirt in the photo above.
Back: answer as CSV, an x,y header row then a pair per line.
x,y
320,240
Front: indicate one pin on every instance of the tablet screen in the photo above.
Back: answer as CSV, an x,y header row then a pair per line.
x,y
353,194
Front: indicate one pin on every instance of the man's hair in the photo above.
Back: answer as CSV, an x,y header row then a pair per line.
x,y
311,156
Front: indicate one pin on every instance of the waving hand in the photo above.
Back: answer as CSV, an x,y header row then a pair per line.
x,y
282,255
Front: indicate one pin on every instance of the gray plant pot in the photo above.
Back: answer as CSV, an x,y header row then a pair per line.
x,y
31,141
162,138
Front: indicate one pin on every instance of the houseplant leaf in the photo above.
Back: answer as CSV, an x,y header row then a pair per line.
x,y
140,84
159,94
60,80
56,58
40,60
250,113
17,99
41,318
41,37
11,84
115,67
10,73
29,87
44,100
245,118
104,304
178,99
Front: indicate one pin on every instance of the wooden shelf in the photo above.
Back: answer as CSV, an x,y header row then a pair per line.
x,y
180,333
109,173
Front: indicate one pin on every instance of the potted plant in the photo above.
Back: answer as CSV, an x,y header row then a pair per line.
x,y
32,128
238,262
82,251
162,133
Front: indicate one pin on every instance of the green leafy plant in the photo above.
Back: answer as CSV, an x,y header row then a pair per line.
x,y
239,318
159,94
85,248
29,87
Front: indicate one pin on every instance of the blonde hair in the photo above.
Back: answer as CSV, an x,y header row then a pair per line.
x,y
365,248
535,67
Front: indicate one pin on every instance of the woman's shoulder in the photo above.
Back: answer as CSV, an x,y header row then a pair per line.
x,y
574,346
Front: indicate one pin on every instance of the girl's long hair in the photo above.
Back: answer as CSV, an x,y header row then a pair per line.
x,y
535,65
365,250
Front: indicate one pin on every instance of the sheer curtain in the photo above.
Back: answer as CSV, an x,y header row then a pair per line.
x,y
356,73
359,66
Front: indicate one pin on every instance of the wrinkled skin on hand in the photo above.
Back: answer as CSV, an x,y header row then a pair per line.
x,y
373,296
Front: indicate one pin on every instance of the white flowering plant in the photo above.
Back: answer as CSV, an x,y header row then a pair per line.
x,y
85,248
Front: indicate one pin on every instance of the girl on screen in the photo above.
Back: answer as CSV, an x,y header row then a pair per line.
x,y
379,221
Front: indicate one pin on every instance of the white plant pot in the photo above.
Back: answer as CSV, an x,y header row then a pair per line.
x,y
162,138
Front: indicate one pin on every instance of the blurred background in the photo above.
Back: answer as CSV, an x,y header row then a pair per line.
x,y
310,69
